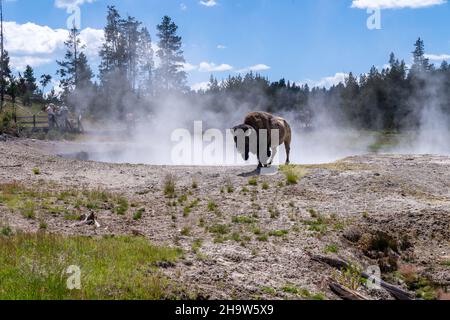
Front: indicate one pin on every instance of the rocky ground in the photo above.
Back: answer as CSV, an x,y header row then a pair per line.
x,y
250,238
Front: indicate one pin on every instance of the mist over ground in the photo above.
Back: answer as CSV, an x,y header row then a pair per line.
x,y
325,140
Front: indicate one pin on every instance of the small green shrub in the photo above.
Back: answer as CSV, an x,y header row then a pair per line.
x,y
138,214
169,186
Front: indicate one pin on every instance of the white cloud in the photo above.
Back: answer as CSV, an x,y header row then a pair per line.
x,y
208,3
189,67
257,67
395,4
30,38
200,86
19,63
212,67
221,47
327,82
183,7
37,45
438,57
93,40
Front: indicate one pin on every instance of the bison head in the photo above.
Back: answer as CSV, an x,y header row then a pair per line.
x,y
242,134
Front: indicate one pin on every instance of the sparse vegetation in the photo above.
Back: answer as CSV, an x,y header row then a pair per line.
x,y
186,231
220,229
253,181
138,214
6,231
351,277
122,206
293,173
278,233
262,238
242,220
169,186
212,206
230,188
37,171
274,213
332,248
318,224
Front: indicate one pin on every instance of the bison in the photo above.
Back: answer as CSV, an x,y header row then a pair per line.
x,y
257,126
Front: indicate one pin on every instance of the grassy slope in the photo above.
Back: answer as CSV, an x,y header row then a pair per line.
x,y
35,267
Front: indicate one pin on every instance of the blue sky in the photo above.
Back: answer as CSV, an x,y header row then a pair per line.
x,y
299,40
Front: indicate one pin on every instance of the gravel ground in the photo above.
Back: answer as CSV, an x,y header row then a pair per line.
x,y
257,241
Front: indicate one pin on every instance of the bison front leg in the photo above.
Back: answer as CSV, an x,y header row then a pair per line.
x,y
274,154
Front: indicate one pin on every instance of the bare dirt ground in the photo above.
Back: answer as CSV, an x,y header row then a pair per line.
x,y
249,241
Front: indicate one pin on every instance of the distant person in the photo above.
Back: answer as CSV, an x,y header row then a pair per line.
x,y
80,122
51,116
64,115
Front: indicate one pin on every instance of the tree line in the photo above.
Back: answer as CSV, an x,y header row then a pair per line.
x,y
129,80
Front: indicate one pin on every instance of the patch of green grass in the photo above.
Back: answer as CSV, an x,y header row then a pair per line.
x,y
278,233
34,267
446,263
122,206
318,224
319,296
186,231
182,199
274,213
265,186
235,236
212,206
245,190
253,181
194,184
269,291
37,171
229,185
169,186
138,214
290,289
6,231
332,248
196,245
28,209
293,173
243,220
43,225
262,238
72,217
221,229
187,211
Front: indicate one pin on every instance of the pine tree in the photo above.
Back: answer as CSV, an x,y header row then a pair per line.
x,y
146,62
30,79
7,75
74,69
170,75
421,63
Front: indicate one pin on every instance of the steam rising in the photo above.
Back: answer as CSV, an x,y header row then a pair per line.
x,y
326,141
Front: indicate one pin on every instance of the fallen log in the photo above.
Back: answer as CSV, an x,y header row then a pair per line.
x,y
345,293
12,166
339,264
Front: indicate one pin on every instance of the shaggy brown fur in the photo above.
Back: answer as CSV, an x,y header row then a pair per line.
x,y
257,121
